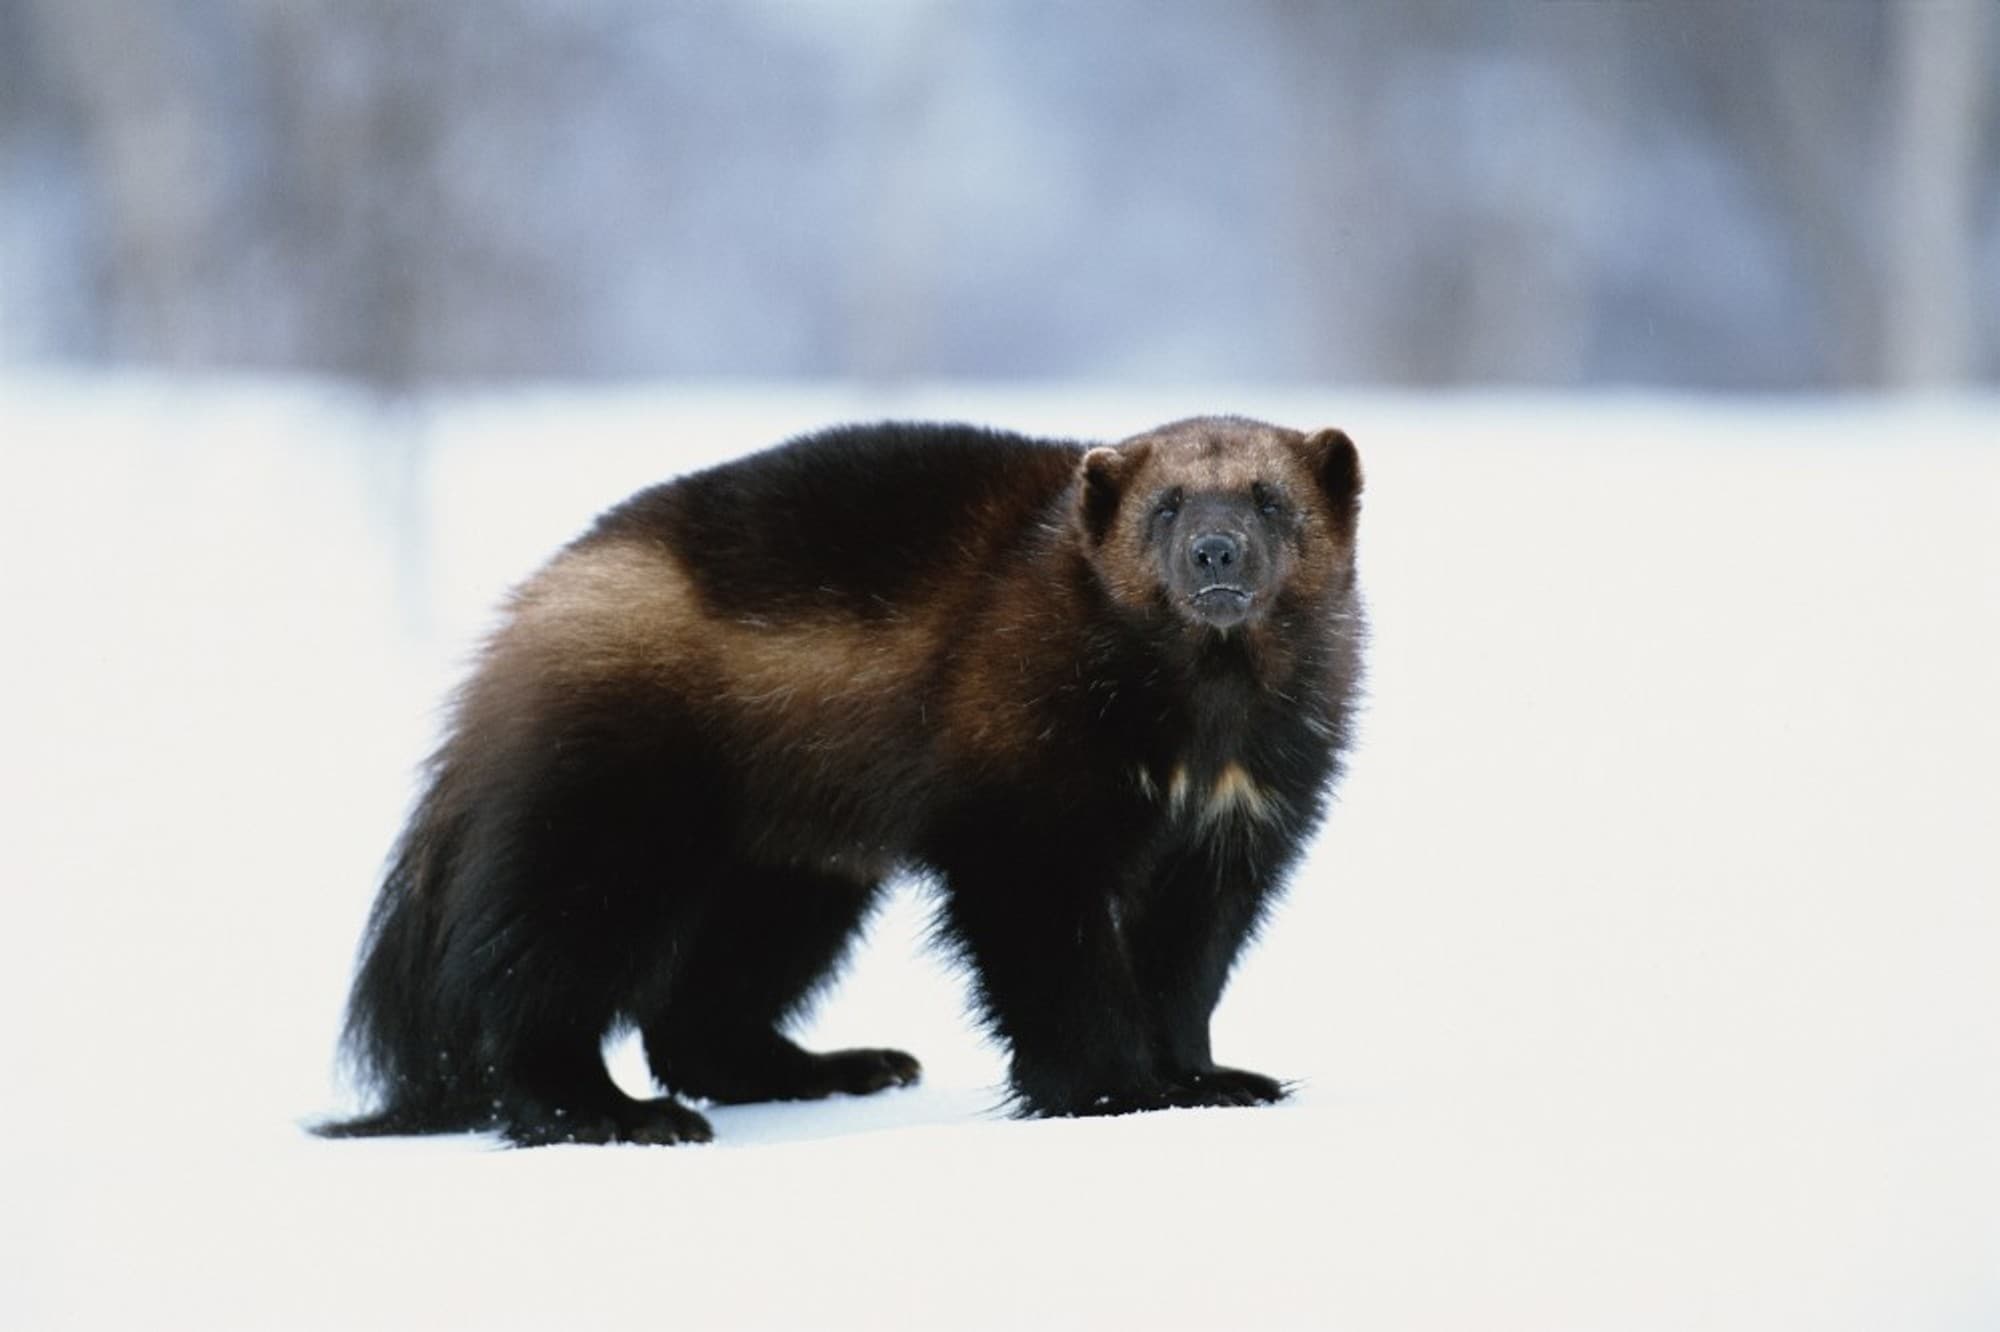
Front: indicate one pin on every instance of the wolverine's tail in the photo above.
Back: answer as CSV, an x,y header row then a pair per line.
x,y
408,1038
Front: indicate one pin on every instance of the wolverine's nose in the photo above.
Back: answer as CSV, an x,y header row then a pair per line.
x,y
1216,552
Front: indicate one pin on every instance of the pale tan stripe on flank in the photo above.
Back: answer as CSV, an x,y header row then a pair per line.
x,y
627,607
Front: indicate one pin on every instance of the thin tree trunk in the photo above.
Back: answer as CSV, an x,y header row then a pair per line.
x,y
1938,100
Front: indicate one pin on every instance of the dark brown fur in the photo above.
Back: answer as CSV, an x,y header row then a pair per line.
x,y
710,729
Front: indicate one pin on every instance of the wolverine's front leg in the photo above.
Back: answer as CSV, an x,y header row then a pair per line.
x,y
1183,947
1054,978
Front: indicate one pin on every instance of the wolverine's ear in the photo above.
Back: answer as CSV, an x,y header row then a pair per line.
x,y
1105,472
1338,466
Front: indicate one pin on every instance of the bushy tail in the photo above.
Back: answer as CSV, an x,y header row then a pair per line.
x,y
407,1041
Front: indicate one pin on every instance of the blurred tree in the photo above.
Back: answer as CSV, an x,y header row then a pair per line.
x,y
1941,102
150,164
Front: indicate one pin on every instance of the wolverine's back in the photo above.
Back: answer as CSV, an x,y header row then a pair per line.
x,y
867,521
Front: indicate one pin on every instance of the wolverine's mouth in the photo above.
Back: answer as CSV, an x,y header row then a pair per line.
x,y
1222,605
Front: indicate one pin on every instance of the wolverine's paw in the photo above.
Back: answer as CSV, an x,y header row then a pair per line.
x,y
548,1127
859,1072
1189,1089
812,1077
766,1066
662,1122
1227,1086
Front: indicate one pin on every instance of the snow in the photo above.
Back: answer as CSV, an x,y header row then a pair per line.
x,y
1643,979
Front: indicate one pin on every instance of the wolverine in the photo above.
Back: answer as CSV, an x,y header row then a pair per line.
x,y
1097,696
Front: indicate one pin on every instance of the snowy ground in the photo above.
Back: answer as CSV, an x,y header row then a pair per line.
x,y
1645,978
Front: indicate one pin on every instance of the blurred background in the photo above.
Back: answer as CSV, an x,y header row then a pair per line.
x,y
1756,197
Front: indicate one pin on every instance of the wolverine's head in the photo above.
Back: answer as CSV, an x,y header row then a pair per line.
x,y
1218,519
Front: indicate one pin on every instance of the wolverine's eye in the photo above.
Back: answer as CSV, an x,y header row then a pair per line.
x,y
1266,500
1169,505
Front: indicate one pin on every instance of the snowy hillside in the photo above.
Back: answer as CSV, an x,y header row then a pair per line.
x,y
1644,978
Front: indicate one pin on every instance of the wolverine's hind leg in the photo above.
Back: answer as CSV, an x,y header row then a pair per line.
x,y
543,1020
562,908
558,1096
768,938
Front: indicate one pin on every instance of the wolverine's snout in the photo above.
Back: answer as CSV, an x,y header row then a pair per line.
x,y
1219,572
